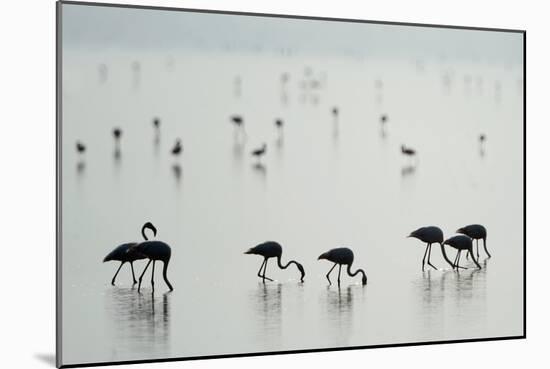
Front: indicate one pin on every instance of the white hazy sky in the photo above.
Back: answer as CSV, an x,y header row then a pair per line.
x,y
86,26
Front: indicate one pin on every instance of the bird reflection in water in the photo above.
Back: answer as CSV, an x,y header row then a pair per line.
x,y
80,167
267,302
260,169
177,171
141,321
408,170
339,302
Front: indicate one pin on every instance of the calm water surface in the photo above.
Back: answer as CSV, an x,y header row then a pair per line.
x,y
321,185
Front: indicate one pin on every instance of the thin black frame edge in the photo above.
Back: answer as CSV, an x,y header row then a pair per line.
x,y
58,71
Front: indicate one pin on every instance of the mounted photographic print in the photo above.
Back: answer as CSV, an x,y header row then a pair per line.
x,y
241,184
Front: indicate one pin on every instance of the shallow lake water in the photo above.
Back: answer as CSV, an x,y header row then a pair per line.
x,y
322,184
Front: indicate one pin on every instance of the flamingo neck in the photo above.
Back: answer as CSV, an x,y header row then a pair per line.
x,y
353,274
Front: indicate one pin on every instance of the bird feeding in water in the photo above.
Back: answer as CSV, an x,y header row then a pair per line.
x,y
272,249
476,232
154,251
125,254
461,243
178,148
258,153
342,256
430,235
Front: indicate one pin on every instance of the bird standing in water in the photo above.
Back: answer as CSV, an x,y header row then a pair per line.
x,y
154,251
272,249
342,256
461,243
259,152
476,232
125,254
178,148
80,147
430,235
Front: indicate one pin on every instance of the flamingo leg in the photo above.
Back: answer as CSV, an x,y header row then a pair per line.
x,y
328,274
424,258
339,271
118,270
153,277
430,254
458,260
261,267
477,249
475,261
142,273
133,275
263,276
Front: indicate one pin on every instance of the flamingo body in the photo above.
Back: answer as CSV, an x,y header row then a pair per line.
x,y
342,256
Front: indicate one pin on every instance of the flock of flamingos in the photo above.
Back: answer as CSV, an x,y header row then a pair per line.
x,y
155,250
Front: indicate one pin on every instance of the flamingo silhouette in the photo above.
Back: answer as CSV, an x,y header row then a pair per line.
x,y
126,254
272,249
80,147
342,256
476,232
461,242
430,235
154,251
177,149
259,152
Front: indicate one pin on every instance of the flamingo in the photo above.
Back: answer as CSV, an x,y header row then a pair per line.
x,y
177,149
272,249
408,151
125,253
80,147
476,232
156,122
430,235
154,251
259,152
342,256
461,242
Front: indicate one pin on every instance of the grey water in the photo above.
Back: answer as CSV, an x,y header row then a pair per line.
x,y
322,184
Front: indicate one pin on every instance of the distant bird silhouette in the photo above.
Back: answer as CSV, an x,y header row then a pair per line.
x,y
80,147
126,254
383,118
156,122
335,111
177,149
237,120
461,243
476,232
482,138
430,235
154,251
410,152
117,133
342,256
279,123
272,249
259,152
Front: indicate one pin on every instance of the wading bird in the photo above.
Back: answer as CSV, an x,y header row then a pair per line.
x,y
259,152
154,251
272,249
117,133
430,235
177,149
80,147
460,242
156,122
279,124
476,232
410,152
341,256
125,254
383,118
